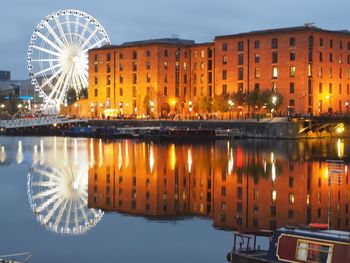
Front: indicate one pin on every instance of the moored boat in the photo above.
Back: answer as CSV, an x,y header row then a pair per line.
x,y
179,134
292,244
83,131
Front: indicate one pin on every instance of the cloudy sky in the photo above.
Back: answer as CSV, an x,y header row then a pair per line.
x,y
200,20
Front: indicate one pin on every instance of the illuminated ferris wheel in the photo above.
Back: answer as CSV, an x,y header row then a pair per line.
x,y
58,54
59,197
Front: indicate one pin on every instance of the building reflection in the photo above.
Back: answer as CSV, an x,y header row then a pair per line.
x,y
247,185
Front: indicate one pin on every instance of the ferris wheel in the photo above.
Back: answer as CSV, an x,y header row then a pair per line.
x,y
58,198
58,54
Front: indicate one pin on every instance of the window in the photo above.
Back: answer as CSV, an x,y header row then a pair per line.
x,y
331,43
274,57
257,72
224,74
257,44
224,59
134,78
321,56
321,42
340,88
291,198
121,67
291,87
148,77
291,103
320,87
292,71
224,89
108,92
134,54
185,66
312,251
96,68
165,52
148,65
292,42
330,57
202,65
274,43
121,79
148,53
202,53
330,72
240,59
256,87
121,92
240,46
165,91
108,69
224,46
133,91
108,80
273,196
134,66
257,57
121,55
108,57
96,92
96,80
166,64
274,72
96,57
240,73
330,88
292,55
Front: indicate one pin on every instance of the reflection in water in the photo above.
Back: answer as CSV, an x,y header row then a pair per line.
x,y
57,188
241,185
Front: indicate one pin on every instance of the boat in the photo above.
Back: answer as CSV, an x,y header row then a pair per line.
x,y
16,258
314,243
83,131
179,134
116,133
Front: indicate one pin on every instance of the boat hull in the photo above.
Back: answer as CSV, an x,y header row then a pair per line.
x,y
242,258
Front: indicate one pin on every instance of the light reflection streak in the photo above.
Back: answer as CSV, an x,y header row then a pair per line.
x,y
19,156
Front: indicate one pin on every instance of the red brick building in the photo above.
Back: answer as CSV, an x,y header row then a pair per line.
x,y
308,66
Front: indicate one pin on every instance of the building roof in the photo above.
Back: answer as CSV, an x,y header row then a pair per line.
x,y
148,42
306,27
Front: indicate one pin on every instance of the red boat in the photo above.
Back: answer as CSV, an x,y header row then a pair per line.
x,y
292,244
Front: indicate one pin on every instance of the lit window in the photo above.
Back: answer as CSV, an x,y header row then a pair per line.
x,y
291,198
257,72
202,53
312,251
292,71
274,196
224,59
274,72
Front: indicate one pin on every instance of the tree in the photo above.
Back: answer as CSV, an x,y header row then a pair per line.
x,y
83,93
71,96
253,99
220,104
146,105
238,98
203,104
271,99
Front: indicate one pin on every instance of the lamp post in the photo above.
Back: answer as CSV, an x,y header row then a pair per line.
x,y
190,105
274,102
230,105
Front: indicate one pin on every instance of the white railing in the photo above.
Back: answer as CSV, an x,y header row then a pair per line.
x,y
30,122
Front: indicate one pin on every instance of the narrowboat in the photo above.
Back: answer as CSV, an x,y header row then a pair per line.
x,y
116,133
292,244
83,131
179,134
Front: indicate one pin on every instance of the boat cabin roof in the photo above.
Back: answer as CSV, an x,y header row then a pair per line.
x,y
334,235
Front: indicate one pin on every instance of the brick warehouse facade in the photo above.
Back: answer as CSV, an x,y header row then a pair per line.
x,y
308,66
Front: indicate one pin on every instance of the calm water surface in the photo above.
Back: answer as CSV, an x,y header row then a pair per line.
x,y
83,200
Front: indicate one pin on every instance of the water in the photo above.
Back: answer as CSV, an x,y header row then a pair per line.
x,y
83,200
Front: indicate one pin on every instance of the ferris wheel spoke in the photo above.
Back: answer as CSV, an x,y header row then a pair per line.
x,y
76,27
60,214
82,34
53,33
51,78
47,69
47,51
60,29
97,44
46,60
81,207
44,193
68,215
46,203
48,41
69,29
87,41
53,210
56,89
42,184
76,216
48,174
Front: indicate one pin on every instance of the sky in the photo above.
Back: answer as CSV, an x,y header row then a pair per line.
x,y
199,20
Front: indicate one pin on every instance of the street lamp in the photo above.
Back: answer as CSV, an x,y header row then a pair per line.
x,y
274,102
190,105
230,105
